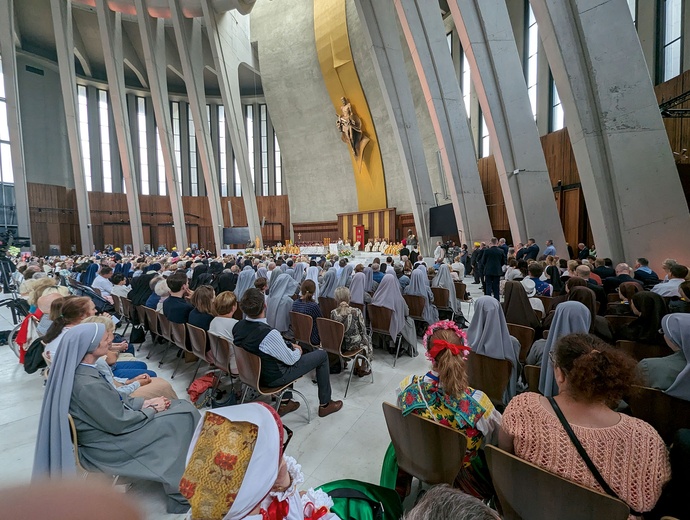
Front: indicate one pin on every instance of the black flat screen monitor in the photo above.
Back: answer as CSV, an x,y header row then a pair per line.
x,y
442,221
236,235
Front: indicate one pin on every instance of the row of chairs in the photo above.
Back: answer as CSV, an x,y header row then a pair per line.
x,y
434,453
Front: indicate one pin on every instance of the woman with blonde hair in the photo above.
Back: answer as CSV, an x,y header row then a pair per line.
x,y
355,336
443,396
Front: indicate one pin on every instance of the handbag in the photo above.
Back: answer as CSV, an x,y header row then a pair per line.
x,y
583,455
33,357
138,334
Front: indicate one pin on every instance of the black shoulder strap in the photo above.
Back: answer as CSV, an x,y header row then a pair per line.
x,y
583,454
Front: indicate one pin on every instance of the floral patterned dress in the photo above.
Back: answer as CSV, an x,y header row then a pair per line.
x,y
472,413
355,330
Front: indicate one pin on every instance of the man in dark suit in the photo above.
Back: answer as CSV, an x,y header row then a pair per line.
x,y
532,250
582,251
602,270
584,272
623,273
492,261
644,274
520,251
502,244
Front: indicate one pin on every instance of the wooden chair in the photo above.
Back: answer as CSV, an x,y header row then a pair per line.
x,y
332,333
532,373
416,306
524,335
667,414
198,341
178,335
165,328
249,369
441,300
640,351
222,352
489,375
528,492
126,313
617,322
460,290
613,298
82,472
117,303
154,329
141,314
380,318
302,325
427,450
327,305
547,301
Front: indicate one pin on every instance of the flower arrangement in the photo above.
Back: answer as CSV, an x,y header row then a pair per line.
x,y
345,252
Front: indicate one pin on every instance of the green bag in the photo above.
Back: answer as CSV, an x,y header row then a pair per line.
x,y
389,469
356,500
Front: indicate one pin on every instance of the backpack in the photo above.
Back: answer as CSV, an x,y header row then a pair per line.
x,y
356,500
33,357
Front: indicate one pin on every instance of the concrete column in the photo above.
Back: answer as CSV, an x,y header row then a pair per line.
x,y
9,70
426,38
220,28
153,43
110,27
631,186
382,37
487,38
189,43
62,25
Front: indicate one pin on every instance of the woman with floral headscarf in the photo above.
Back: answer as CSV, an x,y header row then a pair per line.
x,y
236,469
443,396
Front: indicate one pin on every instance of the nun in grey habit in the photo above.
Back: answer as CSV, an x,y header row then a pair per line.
x,y
244,281
118,435
280,301
444,280
569,318
419,286
329,284
345,276
388,295
488,335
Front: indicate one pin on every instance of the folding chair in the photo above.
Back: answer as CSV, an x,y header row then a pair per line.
x,y
441,300
489,375
380,318
525,336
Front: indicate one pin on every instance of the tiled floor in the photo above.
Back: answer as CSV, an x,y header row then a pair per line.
x,y
349,444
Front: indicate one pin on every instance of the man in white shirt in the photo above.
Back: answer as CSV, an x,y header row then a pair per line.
x,y
678,275
439,253
103,283
119,286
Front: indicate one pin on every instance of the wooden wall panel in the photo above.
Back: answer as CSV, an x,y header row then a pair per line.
x,y
377,224
405,222
308,232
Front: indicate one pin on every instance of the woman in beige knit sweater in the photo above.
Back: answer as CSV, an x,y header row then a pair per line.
x,y
628,452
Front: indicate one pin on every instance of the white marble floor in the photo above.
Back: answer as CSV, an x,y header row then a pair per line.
x,y
348,444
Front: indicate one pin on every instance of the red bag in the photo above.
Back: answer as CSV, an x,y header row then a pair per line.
x,y
200,385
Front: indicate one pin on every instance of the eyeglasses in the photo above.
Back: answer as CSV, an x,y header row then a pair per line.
x,y
287,437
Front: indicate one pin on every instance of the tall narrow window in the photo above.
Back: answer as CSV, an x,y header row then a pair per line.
x,y
193,173
557,116
221,152
143,146
83,103
485,142
250,140
278,164
177,142
632,5
671,40
161,165
466,83
531,54
6,171
238,183
449,38
104,124
263,147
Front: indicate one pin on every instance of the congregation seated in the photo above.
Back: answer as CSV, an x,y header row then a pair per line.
x,y
103,284
444,280
570,318
590,377
626,291
682,304
671,373
649,308
552,275
305,304
328,285
531,291
599,326
357,293
176,308
120,287
155,298
623,274
117,434
283,287
266,481
644,273
245,281
224,307
488,335
603,267
281,362
419,286
542,288
517,306
443,395
142,384
202,300
377,275
356,336
388,295
162,291
678,274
